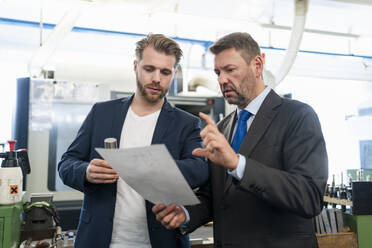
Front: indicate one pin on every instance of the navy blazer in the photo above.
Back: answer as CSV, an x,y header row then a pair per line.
x,y
177,129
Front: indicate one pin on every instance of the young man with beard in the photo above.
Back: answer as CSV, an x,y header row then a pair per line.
x,y
268,160
113,214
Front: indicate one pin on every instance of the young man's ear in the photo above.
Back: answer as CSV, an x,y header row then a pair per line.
x,y
135,64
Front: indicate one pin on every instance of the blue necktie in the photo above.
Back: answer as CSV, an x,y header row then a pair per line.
x,y
241,130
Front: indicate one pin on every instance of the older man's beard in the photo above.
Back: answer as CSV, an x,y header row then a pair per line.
x,y
244,95
238,99
153,98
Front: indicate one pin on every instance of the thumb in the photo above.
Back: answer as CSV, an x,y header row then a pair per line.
x,y
200,152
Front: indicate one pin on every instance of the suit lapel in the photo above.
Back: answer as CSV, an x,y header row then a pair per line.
x,y
261,122
164,121
120,113
227,129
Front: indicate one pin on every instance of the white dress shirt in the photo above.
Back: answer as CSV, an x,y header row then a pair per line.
x,y
253,108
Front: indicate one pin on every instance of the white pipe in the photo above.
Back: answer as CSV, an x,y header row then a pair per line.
x,y
295,40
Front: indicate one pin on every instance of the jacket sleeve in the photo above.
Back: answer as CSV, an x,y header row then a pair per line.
x,y
194,169
202,213
300,183
73,164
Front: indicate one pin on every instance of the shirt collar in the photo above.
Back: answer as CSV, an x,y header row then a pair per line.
x,y
256,103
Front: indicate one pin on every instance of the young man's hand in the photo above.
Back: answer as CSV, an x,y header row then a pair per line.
x,y
171,216
99,171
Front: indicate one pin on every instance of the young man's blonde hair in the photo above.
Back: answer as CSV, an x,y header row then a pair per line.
x,y
160,43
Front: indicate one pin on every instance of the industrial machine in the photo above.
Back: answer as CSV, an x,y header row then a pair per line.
x,y
48,115
214,106
359,125
41,224
14,166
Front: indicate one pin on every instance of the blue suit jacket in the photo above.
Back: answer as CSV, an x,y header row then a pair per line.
x,y
177,129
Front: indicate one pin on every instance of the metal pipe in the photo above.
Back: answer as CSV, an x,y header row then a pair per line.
x,y
41,26
313,31
295,41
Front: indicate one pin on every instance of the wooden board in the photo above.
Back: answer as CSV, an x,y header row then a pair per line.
x,y
339,240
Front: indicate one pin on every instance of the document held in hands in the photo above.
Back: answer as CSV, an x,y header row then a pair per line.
x,y
152,172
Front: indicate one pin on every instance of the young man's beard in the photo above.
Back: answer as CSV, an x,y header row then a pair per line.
x,y
148,96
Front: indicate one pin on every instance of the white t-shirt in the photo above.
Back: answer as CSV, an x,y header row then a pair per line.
x,y
130,222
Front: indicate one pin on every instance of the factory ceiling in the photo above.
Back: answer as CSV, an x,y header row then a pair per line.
x,y
200,19
333,27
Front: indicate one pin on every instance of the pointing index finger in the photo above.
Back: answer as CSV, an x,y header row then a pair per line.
x,y
207,119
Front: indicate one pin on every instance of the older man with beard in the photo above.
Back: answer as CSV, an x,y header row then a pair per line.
x,y
268,161
113,214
